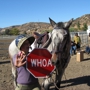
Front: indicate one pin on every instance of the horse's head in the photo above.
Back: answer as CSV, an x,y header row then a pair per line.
x,y
60,40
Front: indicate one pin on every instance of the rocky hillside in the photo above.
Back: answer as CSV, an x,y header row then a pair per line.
x,y
41,26
31,27
82,20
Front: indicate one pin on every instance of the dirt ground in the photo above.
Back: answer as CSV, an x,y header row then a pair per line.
x,y
76,76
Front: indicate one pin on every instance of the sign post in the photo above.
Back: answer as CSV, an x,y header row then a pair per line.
x,y
39,63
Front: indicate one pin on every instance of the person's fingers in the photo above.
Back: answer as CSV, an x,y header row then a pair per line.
x,y
20,59
18,56
19,63
22,55
24,63
23,52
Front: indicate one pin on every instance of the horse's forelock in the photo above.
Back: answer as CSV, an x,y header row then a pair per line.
x,y
58,34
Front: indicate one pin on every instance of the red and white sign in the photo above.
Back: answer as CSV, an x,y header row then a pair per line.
x,y
39,63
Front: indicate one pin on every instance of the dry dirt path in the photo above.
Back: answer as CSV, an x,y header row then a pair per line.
x,y
76,76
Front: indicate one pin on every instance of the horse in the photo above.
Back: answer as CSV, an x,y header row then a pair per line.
x,y
57,42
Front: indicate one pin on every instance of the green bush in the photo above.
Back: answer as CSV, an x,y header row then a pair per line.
x,y
14,31
7,32
84,27
71,29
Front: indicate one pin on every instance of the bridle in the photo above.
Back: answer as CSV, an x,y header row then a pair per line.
x,y
61,45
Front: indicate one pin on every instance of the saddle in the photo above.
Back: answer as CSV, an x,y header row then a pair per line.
x,y
42,38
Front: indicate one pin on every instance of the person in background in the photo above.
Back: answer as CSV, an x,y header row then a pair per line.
x,y
25,80
87,49
73,48
77,41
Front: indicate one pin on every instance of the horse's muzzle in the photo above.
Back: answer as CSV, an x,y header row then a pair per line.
x,y
54,58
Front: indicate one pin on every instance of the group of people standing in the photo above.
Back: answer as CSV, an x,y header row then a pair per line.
x,y
75,44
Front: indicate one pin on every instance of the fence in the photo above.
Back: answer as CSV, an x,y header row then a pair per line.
x,y
4,44
6,40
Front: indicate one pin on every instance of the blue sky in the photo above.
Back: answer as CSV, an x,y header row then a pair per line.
x,y
18,12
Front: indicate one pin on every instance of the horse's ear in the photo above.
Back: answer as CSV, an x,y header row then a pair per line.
x,y
52,22
67,24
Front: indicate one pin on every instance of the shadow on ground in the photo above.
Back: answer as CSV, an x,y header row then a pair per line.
x,y
4,62
77,81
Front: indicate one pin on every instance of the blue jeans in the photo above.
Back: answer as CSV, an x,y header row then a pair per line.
x,y
87,49
73,50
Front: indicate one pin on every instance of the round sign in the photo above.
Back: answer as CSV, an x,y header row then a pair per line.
x,y
39,63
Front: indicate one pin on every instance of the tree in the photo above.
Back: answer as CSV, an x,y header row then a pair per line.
x,y
84,27
72,29
7,32
78,25
14,31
